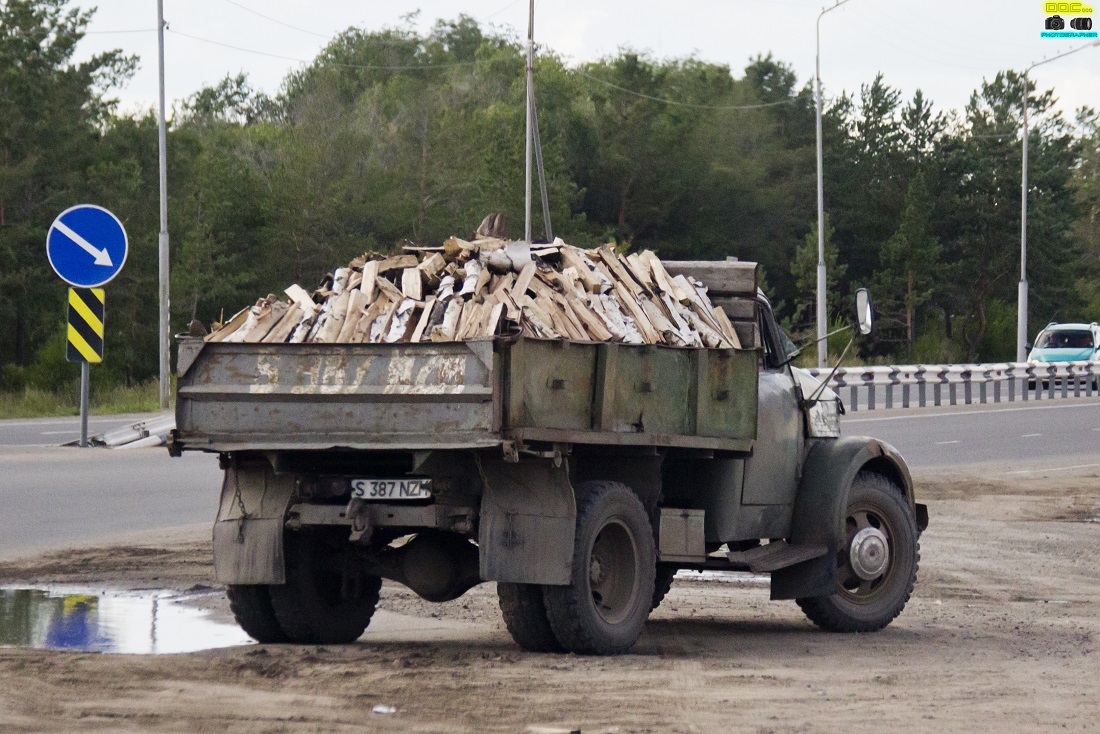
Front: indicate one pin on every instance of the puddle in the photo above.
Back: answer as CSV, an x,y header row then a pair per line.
x,y
134,622
725,577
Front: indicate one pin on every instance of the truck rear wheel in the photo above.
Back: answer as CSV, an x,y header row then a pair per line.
x,y
603,609
251,607
320,603
877,566
662,583
524,613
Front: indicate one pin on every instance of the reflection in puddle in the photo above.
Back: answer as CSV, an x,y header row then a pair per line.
x,y
134,622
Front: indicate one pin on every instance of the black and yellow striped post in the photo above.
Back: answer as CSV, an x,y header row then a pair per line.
x,y
85,341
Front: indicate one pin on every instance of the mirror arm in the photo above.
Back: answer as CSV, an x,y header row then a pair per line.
x,y
813,338
821,388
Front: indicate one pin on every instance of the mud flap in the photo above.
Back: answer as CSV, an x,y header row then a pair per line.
x,y
528,522
248,533
815,577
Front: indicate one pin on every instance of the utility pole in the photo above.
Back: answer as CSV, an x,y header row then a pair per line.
x,y
530,120
822,315
163,345
1021,304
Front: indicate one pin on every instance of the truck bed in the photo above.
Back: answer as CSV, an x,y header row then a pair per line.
x,y
461,395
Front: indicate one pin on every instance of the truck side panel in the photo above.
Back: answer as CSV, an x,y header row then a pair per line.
x,y
320,396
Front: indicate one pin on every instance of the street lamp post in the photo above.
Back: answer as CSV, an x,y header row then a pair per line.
x,y
163,345
530,121
1021,305
822,325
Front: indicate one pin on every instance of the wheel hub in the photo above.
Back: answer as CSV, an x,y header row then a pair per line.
x,y
595,571
869,553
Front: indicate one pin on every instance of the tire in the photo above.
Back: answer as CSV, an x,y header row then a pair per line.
x,y
315,605
662,583
251,606
524,614
605,606
869,604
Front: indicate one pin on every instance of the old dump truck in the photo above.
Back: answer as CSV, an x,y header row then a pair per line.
x,y
580,477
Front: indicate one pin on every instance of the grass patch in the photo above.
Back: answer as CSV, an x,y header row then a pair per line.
x,y
34,403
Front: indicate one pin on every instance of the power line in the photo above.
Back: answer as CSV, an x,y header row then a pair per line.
x,y
685,104
329,36
498,12
130,30
277,21
380,67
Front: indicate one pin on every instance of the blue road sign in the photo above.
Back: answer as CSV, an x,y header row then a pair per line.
x,y
86,245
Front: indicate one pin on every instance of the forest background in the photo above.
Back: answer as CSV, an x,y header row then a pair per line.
x,y
681,156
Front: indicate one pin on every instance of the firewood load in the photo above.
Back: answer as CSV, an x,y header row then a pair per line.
x,y
489,287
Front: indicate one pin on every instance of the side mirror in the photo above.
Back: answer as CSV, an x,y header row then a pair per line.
x,y
1028,346
863,310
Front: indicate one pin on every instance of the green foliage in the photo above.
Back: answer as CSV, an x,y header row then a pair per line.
x,y
804,270
108,400
933,346
358,152
909,265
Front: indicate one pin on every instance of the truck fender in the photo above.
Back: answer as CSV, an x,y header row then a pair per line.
x,y
528,520
819,508
248,532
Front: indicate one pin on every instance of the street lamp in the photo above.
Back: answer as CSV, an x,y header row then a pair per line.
x,y
822,326
1021,306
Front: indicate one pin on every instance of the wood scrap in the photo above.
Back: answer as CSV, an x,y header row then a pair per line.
x,y
523,280
488,287
397,262
235,322
392,291
727,327
425,318
411,283
282,330
370,275
356,303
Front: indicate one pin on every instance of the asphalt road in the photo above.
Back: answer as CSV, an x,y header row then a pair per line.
x,y
53,497
56,431
1013,436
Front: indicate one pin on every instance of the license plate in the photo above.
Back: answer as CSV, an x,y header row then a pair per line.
x,y
391,489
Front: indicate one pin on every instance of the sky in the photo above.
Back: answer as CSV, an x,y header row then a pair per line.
x,y
943,47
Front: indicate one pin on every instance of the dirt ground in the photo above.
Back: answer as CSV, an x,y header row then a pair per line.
x,y
1001,634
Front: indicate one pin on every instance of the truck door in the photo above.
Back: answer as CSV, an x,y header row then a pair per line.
x,y
771,473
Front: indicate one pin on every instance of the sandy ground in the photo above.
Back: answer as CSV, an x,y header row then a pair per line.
x,y
1001,635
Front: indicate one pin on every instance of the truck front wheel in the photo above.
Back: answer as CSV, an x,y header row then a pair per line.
x,y
877,566
603,609
320,603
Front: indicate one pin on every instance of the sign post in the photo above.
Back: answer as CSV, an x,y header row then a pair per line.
x,y
87,247
84,343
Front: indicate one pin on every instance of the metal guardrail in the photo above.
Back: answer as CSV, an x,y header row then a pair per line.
x,y
924,385
152,432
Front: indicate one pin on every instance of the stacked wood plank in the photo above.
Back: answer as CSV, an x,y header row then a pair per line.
x,y
489,287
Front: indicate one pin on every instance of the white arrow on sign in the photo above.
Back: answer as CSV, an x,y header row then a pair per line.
x,y
102,257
